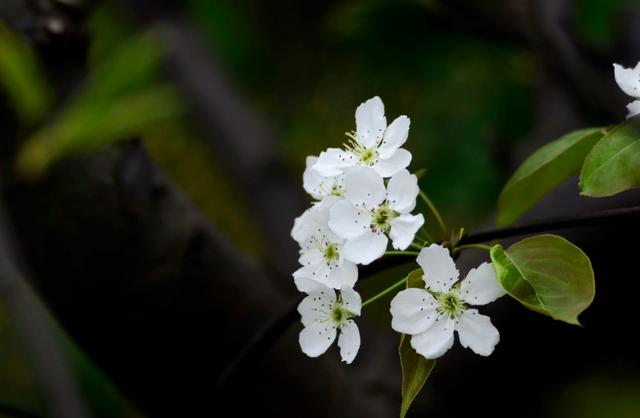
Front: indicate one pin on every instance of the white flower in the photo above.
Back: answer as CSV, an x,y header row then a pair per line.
x,y
323,314
373,144
321,253
431,316
369,212
628,80
319,186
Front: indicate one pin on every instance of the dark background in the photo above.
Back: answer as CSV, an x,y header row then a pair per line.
x,y
161,255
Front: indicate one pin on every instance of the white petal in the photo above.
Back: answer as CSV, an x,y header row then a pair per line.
x,y
304,282
313,219
316,338
317,305
403,230
351,300
363,186
344,275
440,272
394,136
412,311
633,109
347,221
311,257
312,180
477,332
628,79
332,161
349,341
399,160
436,340
370,122
481,285
365,248
301,227
402,191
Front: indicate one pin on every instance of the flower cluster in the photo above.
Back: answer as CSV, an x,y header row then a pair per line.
x,y
363,197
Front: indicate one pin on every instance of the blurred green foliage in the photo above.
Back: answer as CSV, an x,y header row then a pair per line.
x,y
596,20
607,393
117,103
21,79
465,96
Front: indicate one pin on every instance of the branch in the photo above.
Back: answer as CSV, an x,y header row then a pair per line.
x,y
604,217
270,333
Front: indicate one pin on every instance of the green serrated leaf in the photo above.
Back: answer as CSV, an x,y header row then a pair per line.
x,y
547,274
22,79
415,368
613,165
544,170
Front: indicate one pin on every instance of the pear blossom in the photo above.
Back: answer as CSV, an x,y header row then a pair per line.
x,y
321,253
431,315
323,314
319,186
628,80
373,144
369,212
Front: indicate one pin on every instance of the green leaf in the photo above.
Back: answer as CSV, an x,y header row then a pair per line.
x,y
547,274
21,78
544,170
415,368
613,165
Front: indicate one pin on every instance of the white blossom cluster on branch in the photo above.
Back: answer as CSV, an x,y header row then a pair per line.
x,y
363,198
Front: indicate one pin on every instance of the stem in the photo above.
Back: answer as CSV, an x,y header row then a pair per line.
x,y
416,246
384,292
401,253
468,246
434,210
427,235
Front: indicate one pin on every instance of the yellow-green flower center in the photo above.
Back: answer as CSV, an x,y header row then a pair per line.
x,y
450,303
366,156
339,315
331,253
381,217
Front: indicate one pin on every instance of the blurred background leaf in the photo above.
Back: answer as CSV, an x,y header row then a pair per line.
x,y
21,78
117,103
